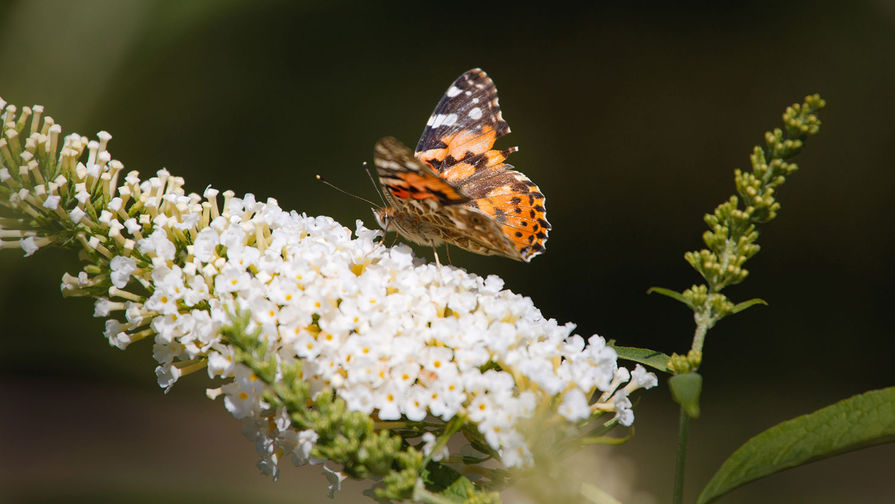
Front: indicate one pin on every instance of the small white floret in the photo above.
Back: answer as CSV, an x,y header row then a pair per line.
x,y
52,202
574,405
29,246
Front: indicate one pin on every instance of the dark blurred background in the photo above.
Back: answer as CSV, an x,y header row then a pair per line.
x,y
631,118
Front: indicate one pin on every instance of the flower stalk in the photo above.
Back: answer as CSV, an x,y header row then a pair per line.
x,y
330,348
730,242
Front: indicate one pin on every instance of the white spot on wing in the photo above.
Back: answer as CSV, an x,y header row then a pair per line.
x,y
475,113
442,120
453,91
385,163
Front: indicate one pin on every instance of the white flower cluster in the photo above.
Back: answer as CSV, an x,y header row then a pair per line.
x,y
391,335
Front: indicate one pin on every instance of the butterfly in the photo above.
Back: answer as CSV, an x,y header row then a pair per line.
x,y
455,189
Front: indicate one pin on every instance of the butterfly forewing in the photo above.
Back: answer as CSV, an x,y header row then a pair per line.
x,y
465,123
403,177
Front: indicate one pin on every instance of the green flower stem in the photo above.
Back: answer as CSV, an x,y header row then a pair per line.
x,y
702,328
681,459
452,427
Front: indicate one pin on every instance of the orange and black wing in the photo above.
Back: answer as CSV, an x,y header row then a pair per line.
x,y
404,178
516,205
459,134
457,145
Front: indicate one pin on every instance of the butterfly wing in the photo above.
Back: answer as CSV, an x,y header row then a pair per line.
x,y
516,206
404,178
459,134
429,210
457,145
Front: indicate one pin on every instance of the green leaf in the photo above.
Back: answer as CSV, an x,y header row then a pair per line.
x,y
746,304
461,488
857,422
673,294
439,477
685,390
645,356
447,486
606,440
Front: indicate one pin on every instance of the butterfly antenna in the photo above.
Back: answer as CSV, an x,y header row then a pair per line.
x,y
321,179
373,181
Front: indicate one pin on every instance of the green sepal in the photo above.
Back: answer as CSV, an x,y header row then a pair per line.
x,y
645,356
685,390
673,294
857,422
747,304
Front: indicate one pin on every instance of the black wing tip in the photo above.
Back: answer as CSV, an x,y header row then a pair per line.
x,y
474,75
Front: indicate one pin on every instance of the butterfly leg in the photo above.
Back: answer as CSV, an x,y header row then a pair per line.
x,y
374,249
437,262
447,252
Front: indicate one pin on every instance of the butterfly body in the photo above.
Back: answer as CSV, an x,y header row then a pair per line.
x,y
455,189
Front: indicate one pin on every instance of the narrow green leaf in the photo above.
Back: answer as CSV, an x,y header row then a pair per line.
x,y
685,390
645,356
606,440
746,304
673,294
857,422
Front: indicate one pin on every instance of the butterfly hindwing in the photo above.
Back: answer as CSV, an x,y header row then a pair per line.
x,y
517,206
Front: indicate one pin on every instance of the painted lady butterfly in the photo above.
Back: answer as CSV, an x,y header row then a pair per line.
x,y
455,189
